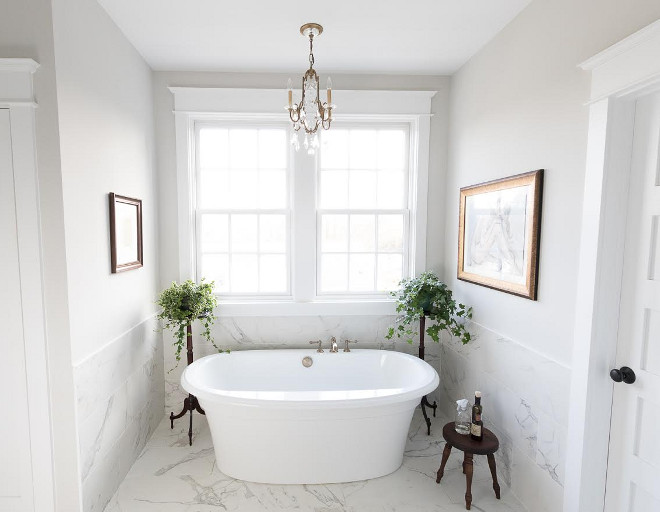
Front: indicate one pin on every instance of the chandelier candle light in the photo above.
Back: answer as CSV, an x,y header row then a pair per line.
x,y
310,113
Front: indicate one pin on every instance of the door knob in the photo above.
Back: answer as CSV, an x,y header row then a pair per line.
x,y
624,374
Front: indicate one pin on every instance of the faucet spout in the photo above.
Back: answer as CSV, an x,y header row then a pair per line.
x,y
334,349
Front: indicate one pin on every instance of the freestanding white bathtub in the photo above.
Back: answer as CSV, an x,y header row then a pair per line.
x,y
344,418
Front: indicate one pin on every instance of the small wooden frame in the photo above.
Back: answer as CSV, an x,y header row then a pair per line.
x,y
125,233
499,231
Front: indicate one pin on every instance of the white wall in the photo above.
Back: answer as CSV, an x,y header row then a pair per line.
x,y
517,106
106,129
107,145
26,31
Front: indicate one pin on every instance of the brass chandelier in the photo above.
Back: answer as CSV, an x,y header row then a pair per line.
x,y
310,113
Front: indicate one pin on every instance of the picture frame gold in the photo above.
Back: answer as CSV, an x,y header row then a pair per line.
x,y
499,233
126,250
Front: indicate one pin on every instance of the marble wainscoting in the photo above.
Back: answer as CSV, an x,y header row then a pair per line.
x,y
170,476
525,398
252,333
120,399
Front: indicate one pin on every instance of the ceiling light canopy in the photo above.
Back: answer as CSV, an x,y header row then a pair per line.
x,y
310,113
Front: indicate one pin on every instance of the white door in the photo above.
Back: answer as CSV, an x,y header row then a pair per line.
x,y
633,470
16,492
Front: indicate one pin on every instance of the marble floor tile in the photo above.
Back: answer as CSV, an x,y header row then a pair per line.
x,y
170,476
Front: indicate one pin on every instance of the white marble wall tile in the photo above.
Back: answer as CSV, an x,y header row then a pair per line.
x,y
101,375
525,399
120,397
99,432
541,381
533,487
551,455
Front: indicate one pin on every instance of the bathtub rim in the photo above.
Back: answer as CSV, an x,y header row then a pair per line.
x,y
220,396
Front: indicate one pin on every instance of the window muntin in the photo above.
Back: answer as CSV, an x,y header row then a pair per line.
x,y
243,212
363,210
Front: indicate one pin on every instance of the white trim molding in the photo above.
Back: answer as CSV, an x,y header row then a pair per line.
x,y
17,95
619,75
197,104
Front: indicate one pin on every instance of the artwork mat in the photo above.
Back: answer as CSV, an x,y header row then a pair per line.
x,y
116,265
533,180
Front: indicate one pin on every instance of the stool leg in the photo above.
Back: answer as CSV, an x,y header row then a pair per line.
x,y
445,456
493,471
468,478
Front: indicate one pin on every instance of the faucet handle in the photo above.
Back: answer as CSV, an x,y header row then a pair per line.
x,y
320,349
347,341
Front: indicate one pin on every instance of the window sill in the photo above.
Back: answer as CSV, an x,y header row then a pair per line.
x,y
316,308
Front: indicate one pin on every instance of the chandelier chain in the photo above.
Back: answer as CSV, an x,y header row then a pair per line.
x,y
311,50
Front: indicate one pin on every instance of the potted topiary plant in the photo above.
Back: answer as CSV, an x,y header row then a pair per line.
x,y
182,304
425,297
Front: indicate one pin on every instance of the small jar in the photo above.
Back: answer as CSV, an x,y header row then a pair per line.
x,y
463,418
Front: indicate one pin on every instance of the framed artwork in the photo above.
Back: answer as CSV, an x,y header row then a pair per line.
x,y
125,233
499,233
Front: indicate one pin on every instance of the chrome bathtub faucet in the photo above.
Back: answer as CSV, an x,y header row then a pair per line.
x,y
333,349
320,349
347,341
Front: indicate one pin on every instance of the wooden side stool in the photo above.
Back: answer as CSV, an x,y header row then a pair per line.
x,y
487,446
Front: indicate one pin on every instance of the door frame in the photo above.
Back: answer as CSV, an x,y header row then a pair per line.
x,y
619,75
17,95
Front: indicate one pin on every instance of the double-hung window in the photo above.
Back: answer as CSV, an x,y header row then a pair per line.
x,y
269,224
363,214
242,208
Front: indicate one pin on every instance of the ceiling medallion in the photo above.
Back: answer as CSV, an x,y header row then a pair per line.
x,y
310,113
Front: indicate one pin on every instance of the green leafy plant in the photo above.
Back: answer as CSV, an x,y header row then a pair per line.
x,y
183,303
427,296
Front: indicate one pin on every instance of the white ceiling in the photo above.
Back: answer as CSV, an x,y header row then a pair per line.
x,y
430,37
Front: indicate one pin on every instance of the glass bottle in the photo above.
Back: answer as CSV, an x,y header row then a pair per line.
x,y
477,427
462,424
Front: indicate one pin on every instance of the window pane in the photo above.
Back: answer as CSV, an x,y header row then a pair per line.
x,y
363,233
363,149
272,273
390,271
362,272
214,189
391,149
272,233
215,233
244,273
242,189
243,234
334,233
272,149
213,148
272,189
334,149
362,191
334,189
390,232
243,148
215,267
391,190
334,272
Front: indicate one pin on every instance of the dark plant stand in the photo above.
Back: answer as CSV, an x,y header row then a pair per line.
x,y
425,402
189,404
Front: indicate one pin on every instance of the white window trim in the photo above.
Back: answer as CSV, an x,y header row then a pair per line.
x,y
193,104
